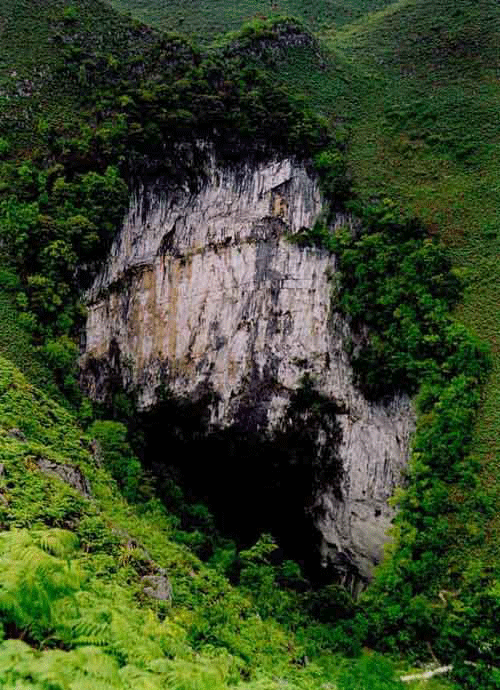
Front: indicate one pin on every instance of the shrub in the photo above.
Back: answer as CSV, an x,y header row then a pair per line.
x,y
370,673
4,147
118,456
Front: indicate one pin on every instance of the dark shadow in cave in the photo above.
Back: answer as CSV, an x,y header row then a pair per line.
x,y
252,481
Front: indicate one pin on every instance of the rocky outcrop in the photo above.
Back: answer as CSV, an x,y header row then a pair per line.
x,y
67,473
272,43
203,290
157,587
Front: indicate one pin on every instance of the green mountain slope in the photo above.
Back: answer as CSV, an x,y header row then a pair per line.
x,y
429,137
207,18
36,39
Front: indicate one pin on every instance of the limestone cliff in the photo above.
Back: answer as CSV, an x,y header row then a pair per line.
x,y
203,290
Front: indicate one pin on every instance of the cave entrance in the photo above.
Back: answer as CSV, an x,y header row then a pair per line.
x,y
251,481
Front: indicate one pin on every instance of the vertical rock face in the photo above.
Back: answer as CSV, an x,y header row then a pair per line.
x,y
204,291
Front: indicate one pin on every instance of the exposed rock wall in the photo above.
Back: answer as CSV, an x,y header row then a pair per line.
x,y
203,290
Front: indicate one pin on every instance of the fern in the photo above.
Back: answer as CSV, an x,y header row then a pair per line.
x,y
264,684
201,675
85,669
31,582
84,633
138,679
57,542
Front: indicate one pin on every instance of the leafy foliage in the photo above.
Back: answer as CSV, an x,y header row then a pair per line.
x,y
398,283
118,456
73,608
397,289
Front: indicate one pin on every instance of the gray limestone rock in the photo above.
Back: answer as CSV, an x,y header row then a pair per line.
x,y
69,474
205,291
157,587
17,434
3,500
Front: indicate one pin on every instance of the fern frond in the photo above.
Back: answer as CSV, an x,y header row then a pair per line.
x,y
86,632
57,542
202,675
32,582
138,679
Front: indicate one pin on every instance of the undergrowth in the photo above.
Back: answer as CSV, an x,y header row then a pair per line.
x,y
395,287
74,569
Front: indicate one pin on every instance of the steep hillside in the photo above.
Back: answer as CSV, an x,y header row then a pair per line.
x,y
96,593
36,40
396,111
429,137
206,18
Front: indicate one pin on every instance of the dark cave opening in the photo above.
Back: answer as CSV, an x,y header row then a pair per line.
x,y
252,481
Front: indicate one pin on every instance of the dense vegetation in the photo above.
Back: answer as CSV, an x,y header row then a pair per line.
x,y
75,566
396,287
411,119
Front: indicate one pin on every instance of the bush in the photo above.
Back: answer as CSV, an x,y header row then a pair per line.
x,y
330,604
370,673
61,356
118,457
4,147
70,14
